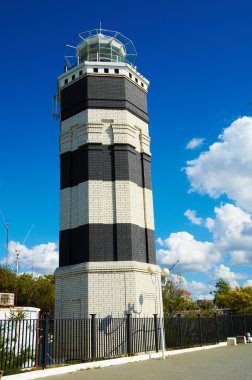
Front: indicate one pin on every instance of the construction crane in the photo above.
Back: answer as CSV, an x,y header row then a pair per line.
x,y
173,265
6,227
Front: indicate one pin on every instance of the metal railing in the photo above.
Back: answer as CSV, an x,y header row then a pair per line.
x,y
187,332
44,342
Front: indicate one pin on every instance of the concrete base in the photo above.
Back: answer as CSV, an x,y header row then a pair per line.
x,y
231,341
107,289
241,339
105,363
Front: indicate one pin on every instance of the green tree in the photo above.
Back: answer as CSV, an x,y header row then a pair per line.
x,y
176,299
46,285
206,308
222,286
30,290
8,281
238,300
222,294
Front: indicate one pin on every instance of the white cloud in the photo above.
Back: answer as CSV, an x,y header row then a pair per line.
x,y
241,258
44,258
194,143
248,283
191,215
198,289
160,242
226,274
193,255
234,284
232,233
225,168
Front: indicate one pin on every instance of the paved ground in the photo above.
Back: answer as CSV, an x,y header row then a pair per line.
x,y
224,363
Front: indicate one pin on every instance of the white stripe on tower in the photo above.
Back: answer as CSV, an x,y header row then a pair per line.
x,y
93,202
102,126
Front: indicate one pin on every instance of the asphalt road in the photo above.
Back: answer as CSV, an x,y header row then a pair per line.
x,y
224,363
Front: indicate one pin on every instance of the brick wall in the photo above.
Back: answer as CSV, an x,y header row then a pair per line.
x,y
106,289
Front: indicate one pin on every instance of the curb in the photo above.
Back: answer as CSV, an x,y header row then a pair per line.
x,y
104,363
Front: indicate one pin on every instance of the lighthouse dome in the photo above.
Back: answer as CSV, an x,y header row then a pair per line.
x,y
101,48
99,45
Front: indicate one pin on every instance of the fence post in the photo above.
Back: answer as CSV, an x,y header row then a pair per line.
x,y
232,324
200,330
45,341
217,329
93,337
128,333
144,331
245,324
180,331
156,331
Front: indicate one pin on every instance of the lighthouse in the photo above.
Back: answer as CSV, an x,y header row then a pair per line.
x,y
106,243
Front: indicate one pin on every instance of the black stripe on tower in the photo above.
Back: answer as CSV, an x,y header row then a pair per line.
x,y
107,163
100,242
103,92
96,242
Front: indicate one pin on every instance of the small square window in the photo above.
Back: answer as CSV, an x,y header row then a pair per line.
x,y
73,77
130,75
95,70
142,84
80,73
116,71
136,80
66,81
106,71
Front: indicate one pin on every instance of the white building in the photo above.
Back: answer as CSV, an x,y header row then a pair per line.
x,y
19,333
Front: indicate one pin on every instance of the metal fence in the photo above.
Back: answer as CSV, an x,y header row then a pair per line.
x,y
44,342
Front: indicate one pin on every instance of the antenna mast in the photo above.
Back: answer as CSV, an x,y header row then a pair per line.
x,y
17,260
18,251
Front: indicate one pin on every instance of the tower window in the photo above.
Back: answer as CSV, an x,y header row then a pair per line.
x,y
142,84
136,80
116,71
66,81
106,71
95,70
73,77
130,75
80,73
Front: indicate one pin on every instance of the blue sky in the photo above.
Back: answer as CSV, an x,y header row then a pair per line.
x,y
197,56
